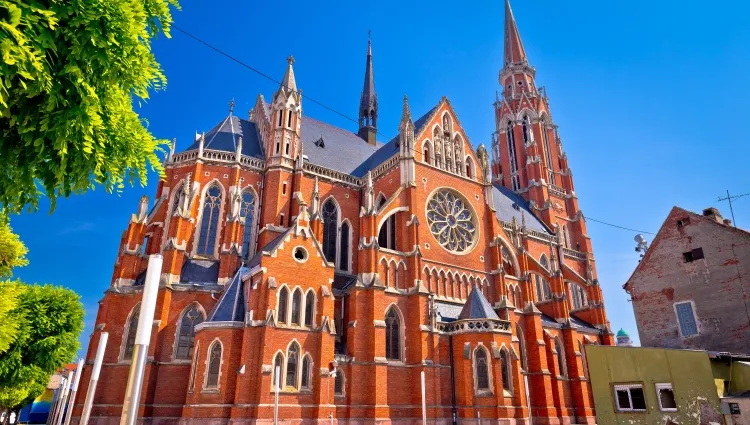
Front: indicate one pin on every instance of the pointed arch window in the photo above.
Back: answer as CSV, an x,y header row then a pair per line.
x,y
566,236
482,369
214,366
281,117
426,153
387,233
560,357
548,155
296,306
278,370
330,216
292,362
247,211
469,174
344,246
309,309
514,179
392,335
381,201
210,221
543,290
506,376
176,199
186,332
306,372
522,347
338,383
544,262
283,302
578,296
582,349
127,352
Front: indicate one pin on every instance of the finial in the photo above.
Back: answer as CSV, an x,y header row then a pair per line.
x,y
231,106
369,35
290,59
406,112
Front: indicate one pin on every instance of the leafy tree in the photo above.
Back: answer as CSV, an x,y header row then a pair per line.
x,y
46,339
12,251
69,74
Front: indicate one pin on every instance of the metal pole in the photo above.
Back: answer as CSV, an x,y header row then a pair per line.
x,y
276,396
142,339
528,399
94,379
52,417
479,418
424,402
63,400
73,391
729,198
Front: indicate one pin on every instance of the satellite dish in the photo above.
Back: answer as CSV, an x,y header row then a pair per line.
x,y
639,238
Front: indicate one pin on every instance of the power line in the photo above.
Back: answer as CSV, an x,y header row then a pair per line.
x,y
268,77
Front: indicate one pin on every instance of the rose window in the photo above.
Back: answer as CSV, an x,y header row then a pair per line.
x,y
451,221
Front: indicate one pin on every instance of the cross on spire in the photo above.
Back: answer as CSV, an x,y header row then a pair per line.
x,y
231,106
290,60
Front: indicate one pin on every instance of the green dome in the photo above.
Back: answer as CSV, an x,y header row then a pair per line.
x,y
622,332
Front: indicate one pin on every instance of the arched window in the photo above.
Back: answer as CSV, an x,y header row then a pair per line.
x,y
309,309
186,332
381,201
548,154
517,297
247,211
426,152
283,302
515,182
387,233
296,306
560,357
566,236
544,262
578,296
278,370
469,174
292,361
527,137
582,349
505,370
130,332
176,199
521,347
338,384
437,142
306,373
392,335
482,369
214,365
543,291
210,221
344,251
330,225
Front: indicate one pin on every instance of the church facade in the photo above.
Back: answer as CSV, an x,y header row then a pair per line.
x,y
343,268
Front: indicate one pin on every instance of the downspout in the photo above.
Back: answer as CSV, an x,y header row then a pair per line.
x,y
454,411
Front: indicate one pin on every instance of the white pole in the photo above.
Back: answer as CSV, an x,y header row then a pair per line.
x,y
142,339
94,379
424,402
528,399
479,418
276,396
52,417
64,398
73,391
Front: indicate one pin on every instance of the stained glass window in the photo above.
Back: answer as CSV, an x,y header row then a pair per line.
x,y
210,221
482,369
247,211
330,224
451,221
392,335
186,333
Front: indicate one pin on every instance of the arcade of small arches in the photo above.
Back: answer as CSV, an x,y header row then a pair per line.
x,y
292,371
296,309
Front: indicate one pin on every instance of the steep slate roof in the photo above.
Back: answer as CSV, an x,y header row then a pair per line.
x,y
225,135
199,271
231,305
509,204
447,312
342,150
477,307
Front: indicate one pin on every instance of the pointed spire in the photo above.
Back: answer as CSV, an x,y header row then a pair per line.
x,y
289,81
368,102
406,111
231,106
514,52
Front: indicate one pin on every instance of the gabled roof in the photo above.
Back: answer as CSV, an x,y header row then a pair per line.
x,y
477,307
231,305
225,136
342,150
267,248
509,205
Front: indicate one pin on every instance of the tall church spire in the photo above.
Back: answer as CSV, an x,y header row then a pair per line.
x,y
514,53
288,80
368,102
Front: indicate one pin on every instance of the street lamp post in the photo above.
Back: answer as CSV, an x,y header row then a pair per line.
x,y
142,339
94,379
73,391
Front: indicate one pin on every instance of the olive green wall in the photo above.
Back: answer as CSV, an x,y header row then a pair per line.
x,y
689,372
740,377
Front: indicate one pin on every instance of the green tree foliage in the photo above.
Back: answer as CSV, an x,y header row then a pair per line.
x,y
70,73
12,251
46,339
10,315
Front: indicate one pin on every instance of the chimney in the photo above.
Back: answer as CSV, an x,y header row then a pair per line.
x,y
713,214
727,222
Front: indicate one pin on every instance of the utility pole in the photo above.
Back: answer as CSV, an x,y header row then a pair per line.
x,y
729,198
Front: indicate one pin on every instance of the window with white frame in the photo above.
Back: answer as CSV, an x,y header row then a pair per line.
x,y
686,318
630,398
665,394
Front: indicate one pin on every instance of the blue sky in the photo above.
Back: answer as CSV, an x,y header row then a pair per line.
x,y
649,97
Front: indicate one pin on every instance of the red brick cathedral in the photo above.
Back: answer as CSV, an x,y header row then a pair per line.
x,y
351,266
